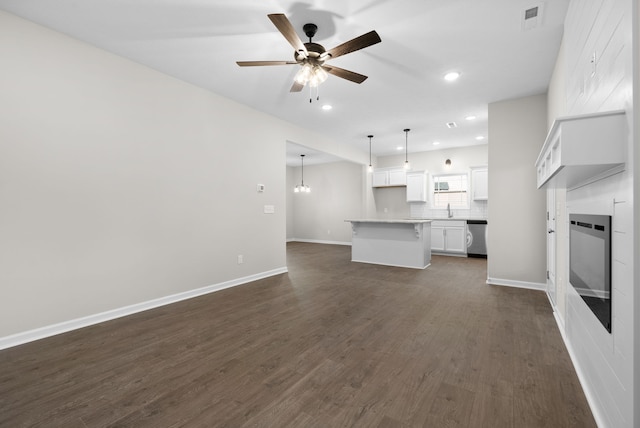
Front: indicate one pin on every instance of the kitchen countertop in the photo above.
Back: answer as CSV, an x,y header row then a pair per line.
x,y
454,218
391,220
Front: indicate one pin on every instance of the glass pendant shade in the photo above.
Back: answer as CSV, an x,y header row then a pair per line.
x,y
318,75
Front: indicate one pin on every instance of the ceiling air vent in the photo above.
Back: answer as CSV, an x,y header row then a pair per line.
x,y
452,125
532,17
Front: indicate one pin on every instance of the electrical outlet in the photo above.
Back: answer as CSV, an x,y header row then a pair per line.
x,y
240,259
328,231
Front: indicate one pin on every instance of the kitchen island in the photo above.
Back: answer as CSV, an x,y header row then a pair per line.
x,y
403,243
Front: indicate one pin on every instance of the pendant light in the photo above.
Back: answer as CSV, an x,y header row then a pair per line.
x,y
301,187
406,148
370,167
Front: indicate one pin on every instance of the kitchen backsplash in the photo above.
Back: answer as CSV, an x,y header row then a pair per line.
x,y
479,209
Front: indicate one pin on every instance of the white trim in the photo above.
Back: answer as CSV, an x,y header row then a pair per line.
x,y
597,415
319,241
517,284
66,326
556,314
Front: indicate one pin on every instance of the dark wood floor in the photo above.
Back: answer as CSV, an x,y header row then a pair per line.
x,y
330,344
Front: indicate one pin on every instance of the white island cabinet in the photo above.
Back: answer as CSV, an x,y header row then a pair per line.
x,y
403,243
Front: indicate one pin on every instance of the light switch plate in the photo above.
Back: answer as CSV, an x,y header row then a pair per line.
x,y
269,209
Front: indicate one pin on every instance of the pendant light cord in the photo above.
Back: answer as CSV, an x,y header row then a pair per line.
x,y
370,137
406,147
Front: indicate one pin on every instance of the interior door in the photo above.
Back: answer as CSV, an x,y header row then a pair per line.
x,y
551,245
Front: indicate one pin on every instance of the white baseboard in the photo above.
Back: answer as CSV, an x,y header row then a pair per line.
x,y
517,284
65,326
318,241
600,421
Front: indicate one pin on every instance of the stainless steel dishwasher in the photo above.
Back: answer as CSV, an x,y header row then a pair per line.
x,y
477,238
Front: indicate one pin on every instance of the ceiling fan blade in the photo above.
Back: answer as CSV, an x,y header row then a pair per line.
x,y
296,87
260,63
284,26
361,42
345,74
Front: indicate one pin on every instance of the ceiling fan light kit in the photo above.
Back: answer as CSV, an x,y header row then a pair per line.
x,y
312,56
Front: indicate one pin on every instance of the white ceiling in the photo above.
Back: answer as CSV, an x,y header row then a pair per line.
x,y
199,41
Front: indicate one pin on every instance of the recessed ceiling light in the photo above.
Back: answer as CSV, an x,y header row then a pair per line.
x,y
399,148
470,117
480,138
435,143
451,76
326,107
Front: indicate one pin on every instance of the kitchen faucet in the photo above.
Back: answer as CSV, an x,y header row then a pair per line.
x,y
449,213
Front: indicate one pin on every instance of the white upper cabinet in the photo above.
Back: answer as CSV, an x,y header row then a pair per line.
x,y
379,178
582,149
389,177
397,177
416,186
480,184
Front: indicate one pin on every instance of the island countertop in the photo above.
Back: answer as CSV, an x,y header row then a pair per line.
x,y
390,220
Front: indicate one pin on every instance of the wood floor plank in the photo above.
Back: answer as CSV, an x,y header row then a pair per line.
x,y
329,344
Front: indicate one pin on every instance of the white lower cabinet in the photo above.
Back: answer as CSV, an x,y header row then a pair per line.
x,y
449,236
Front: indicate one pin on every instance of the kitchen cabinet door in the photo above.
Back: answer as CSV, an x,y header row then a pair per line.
x,y
379,179
397,177
389,177
480,184
455,239
437,238
449,236
416,186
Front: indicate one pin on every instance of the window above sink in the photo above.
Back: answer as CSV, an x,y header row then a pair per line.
x,y
450,190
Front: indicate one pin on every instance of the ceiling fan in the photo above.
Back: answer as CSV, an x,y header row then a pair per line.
x,y
312,57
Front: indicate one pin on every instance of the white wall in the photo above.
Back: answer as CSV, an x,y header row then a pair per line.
x,y
120,185
605,362
394,199
517,228
336,195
